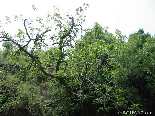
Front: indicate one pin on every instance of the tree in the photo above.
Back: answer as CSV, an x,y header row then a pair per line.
x,y
94,75
8,45
62,39
98,74
136,69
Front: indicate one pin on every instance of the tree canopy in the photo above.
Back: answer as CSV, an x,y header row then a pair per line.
x,y
52,71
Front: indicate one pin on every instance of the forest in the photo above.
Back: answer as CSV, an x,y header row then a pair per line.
x,y
57,68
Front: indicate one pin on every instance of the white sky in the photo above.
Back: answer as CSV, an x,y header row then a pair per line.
x,y
126,15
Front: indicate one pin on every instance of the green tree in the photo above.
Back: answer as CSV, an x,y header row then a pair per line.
x,y
93,75
98,74
136,69
8,45
28,54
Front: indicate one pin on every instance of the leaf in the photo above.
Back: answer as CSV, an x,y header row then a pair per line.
x,y
81,9
34,8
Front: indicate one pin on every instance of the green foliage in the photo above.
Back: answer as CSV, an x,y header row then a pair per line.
x,y
2,97
136,62
99,74
8,45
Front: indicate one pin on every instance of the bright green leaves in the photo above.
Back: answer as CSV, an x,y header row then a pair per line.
x,y
99,72
39,20
81,9
118,32
20,33
93,61
57,15
80,13
138,39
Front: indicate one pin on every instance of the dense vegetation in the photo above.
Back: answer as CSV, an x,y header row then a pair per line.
x,y
98,74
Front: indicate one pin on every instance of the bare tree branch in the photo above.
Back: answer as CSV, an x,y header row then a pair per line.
x,y
26,30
